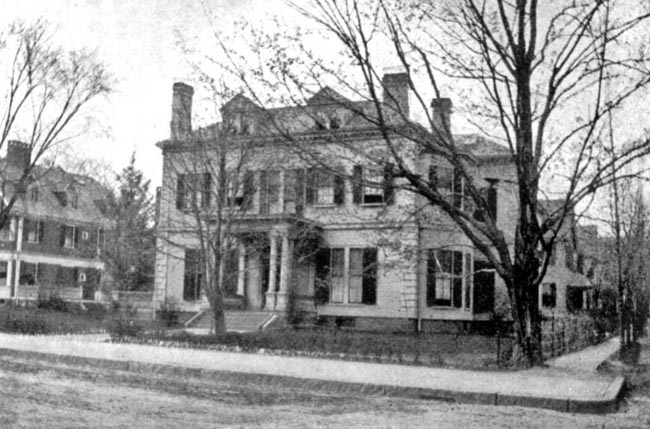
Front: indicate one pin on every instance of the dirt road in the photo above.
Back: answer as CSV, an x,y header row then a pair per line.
x,y
37,394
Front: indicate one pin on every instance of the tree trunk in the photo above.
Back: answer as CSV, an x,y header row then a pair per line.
x,y
218,313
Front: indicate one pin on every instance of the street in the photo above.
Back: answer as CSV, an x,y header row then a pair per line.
x,y
40,394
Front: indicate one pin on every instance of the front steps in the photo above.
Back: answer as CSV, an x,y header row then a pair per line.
x,y
236,321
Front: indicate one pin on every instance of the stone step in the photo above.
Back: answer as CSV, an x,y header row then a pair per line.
x,y
241,321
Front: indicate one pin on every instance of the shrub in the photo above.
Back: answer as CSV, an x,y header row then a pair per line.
x,y
124,326
52,303
23,321
169,312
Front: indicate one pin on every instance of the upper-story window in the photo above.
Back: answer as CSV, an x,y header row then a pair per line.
x,y
33,194
34,231
549,295
193,191
269,191
73,198
325,188
372,185
68,236
448,181
8,231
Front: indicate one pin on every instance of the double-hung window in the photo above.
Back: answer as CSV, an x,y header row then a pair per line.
x,y
449,274
34,231
448,181
350,275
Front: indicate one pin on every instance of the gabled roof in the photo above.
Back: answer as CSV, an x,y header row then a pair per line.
x,y
240,103
327,96
52,183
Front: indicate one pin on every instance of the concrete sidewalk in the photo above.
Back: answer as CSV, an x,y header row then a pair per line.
x,y
542,388
588,359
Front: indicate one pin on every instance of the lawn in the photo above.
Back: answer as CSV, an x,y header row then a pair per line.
x,y
453,350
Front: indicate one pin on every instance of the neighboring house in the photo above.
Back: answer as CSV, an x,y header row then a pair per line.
x,y
50,245
388,260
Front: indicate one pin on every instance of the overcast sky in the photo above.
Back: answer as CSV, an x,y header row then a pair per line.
x,y
138,42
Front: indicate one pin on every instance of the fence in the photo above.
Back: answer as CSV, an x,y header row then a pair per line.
x,y
142,302
566,333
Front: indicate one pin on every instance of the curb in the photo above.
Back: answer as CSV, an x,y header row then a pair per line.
x,y
608,404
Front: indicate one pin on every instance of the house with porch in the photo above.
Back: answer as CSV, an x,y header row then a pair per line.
x,y
327,230
51,242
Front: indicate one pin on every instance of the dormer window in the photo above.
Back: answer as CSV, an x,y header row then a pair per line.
x,y
73,198
335,122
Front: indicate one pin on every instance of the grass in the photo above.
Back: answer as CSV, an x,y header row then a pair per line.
x,y
461,351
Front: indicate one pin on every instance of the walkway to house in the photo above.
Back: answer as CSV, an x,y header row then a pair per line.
x,y
588,359
589,392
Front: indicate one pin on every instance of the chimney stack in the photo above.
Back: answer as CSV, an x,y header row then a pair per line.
x,y
19,154
441,115
396,92
181,125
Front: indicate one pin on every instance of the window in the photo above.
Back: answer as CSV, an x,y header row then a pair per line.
x,y
68,236
241,191
85,236
363,276
448,277
358,284
325,188
34,231
3,273
33,195
28,274
269,191
101,237
193,191
193,279
448,181
73,198
8,231
373,185
82,277
549,295
489,194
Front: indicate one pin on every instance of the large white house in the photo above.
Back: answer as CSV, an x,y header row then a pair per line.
x,y
318,215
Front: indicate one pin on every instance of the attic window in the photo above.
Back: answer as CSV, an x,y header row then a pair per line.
x,y
74,199
62,196
33,195
335,122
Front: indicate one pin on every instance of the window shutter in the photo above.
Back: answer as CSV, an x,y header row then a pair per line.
x,y
357,186
26,226
433,176
492,202
41,231
339,190
322,271
75,276
264,205
431,278
457,286
76,233
300,190
310,195
369,282
62,236
389,189
207,190
249,189
180,192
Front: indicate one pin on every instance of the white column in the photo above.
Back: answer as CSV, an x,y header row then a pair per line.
x,y
10,266
19,235
285,273
273,268
16,279
241,270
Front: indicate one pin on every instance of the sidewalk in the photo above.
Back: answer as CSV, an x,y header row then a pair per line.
x,y
588,359
539,387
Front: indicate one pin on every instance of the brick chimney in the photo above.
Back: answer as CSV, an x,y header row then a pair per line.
x,y
441,115
396,92
18,154
181,124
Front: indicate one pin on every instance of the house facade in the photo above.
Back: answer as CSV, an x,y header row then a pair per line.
x,y
319,219
51,243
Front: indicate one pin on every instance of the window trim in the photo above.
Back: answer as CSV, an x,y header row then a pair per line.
x,y
39,230
465,294
73,240
368,286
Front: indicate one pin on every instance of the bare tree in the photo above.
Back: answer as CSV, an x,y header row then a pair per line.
x,y
541,79
45,90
